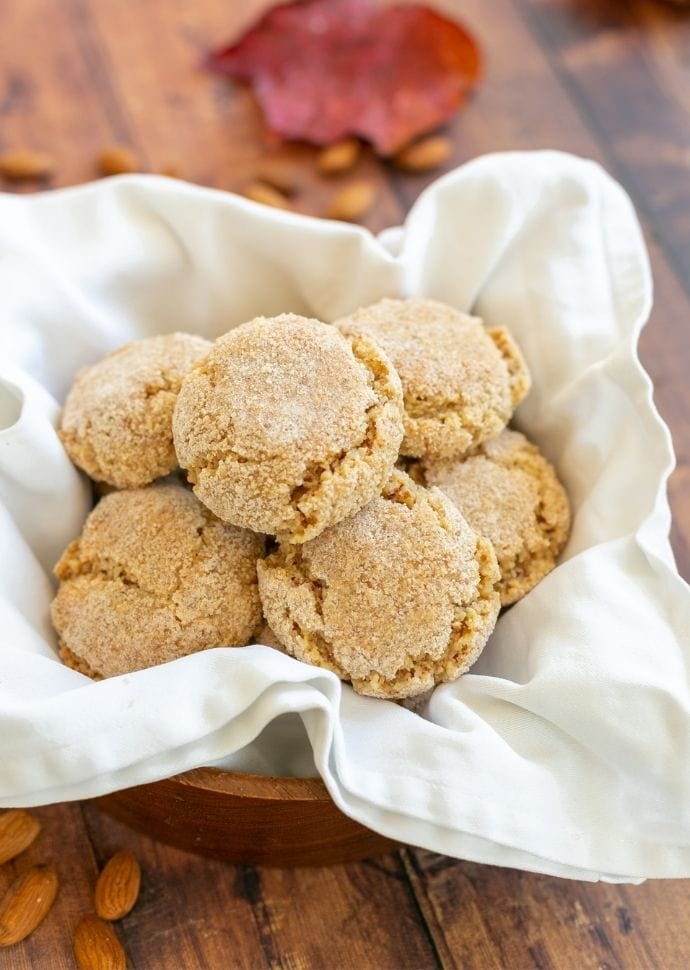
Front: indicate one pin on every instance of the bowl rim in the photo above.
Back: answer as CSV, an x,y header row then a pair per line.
x,y
281,788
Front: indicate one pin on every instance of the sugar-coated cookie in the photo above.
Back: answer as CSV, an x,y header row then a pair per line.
x,y
286,426
395,599
509,493
267,638
154,576
117,420
461,383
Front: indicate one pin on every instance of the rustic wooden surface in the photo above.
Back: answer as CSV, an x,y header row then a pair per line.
x,y
608,80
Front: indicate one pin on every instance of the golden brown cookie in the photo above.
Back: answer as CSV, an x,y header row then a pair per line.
x,y
154,576
287,427
70,659
267,638
461,383
396,599
509,493
117,420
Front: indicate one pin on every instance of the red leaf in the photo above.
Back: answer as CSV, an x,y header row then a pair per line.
x,y
324,69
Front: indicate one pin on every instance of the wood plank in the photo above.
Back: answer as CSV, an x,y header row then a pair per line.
x,y
627,69
492,918
198,913
54,97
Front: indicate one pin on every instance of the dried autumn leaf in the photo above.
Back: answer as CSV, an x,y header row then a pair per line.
x,y
325,69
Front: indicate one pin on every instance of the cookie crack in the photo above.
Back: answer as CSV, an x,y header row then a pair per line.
x,y
315,472
518,375
316,643
554,531
168,384
106,568
212,464
100,566
431,409
471,627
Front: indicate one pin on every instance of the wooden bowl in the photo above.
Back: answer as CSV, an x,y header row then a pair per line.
x,y
248,819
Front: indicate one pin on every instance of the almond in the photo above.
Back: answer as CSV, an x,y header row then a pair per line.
x,y
421,156
267,195
352,201
26,903
25,166
280,174
18,829
117,160
340,157
96,947
118,885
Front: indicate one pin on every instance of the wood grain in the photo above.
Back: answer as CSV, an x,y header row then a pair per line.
x,y
246,818
602,78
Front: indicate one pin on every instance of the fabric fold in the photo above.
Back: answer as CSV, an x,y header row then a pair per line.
x,y
565,749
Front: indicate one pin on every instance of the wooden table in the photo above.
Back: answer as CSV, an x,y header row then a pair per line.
x,y
608,80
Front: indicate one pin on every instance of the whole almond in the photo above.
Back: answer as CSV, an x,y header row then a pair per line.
x,y
25,166
117,160
26,903
352,201
267,195
421,156
96,947
340,157
280,174
18,829
118,885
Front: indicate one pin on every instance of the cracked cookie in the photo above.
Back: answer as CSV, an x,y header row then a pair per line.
x,y
396,599
117,421
461,383
154,576
286,426
267,638
509,493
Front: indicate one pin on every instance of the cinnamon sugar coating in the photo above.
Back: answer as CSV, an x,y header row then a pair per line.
x,y
70,659
117,420
154,576
461,383
267,638
396,599
509,493
286,426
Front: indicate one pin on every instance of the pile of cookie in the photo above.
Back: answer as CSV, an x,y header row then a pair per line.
x,y
356,498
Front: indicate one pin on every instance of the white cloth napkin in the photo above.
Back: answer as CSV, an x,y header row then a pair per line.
x,y
566,749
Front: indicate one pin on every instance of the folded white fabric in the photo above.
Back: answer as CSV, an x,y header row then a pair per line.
x,y
566,749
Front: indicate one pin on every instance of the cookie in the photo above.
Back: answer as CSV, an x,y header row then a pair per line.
x,y
395,599
461,383
267,638
117,421
154,576
286,426
509,493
